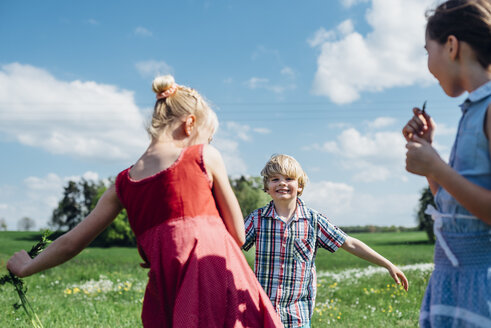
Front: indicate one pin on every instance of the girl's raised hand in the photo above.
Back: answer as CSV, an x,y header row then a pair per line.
x,y
421,125
421,157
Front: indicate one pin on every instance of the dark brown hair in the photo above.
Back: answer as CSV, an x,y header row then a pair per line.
x,y
468,21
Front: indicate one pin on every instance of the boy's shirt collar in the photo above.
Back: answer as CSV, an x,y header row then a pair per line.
x,y
299,212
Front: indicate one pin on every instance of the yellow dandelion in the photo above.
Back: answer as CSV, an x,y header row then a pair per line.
x,y
76,290
67,291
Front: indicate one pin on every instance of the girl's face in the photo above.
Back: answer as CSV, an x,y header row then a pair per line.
x,y
442,67
281,187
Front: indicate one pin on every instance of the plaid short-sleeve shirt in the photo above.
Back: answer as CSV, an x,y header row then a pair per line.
x,y
285,257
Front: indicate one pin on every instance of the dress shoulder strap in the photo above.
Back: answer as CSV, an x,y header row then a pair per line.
x,y
193,155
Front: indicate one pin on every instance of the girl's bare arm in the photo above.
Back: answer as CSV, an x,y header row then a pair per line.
x,y
71,243
225,198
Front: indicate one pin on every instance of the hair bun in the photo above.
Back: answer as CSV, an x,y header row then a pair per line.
x,y
162,83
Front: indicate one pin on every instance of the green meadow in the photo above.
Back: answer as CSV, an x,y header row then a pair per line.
x,y
104,287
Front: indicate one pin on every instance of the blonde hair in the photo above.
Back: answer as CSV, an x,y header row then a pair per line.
x,y
182,102
284,165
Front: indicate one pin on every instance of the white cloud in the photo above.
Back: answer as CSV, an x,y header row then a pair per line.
x,y
375,156
153,68
141,31
81,119
390,55
346,27
381,122
327,197
344,205
381,144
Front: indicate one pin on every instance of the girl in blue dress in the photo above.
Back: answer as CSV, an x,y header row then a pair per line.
x,y
458,42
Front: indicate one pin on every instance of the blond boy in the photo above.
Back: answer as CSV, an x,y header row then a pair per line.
x,y
287,234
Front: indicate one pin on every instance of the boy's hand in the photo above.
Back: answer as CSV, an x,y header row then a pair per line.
x,y
398,277
421,125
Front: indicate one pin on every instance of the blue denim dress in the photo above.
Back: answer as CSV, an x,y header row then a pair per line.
x,y
459,290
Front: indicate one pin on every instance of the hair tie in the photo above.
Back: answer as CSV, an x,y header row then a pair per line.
x,y
168,92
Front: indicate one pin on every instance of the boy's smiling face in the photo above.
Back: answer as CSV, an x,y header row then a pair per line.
x,y
283,188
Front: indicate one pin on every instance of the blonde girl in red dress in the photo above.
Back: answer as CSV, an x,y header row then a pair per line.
x,y
186,219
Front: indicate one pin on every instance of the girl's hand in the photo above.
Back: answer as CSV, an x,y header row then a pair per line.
x,y
420,156
18,263
398,277
421,125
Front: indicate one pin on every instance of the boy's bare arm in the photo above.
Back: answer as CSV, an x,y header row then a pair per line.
x,y
360,249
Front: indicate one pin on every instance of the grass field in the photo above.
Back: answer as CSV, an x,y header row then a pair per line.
x,y
104,287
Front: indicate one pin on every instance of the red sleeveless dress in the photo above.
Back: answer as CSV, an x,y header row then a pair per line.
x,y
198,275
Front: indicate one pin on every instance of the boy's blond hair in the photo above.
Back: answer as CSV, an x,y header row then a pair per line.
x,y
284,165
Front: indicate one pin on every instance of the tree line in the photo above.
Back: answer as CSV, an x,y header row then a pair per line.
x,y
80,197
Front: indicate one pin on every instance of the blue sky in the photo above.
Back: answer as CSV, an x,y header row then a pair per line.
x,y
329,82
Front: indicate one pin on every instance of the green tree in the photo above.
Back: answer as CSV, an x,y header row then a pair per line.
x,y
425,222
250,194
118,232
78,200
